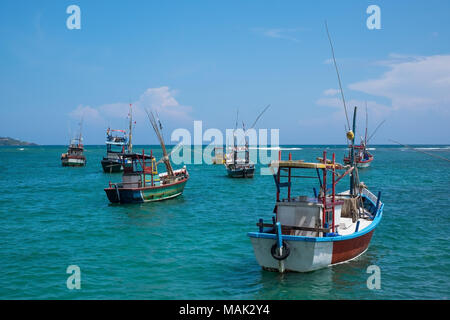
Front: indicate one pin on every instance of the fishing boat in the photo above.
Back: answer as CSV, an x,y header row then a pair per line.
x,y
363,157
116,141
310,232
74,157
117,144
141,181
238,167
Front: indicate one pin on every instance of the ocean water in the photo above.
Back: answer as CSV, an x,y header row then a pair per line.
x,y
196,246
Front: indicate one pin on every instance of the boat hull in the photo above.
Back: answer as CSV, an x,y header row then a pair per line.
x,y
147,194
364,164
73,162
111,166
243,172
312,253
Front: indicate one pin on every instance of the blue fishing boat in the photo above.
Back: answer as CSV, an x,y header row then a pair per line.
x,y
117,144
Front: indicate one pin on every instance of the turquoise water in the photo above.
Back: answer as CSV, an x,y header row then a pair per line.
x,y
196,246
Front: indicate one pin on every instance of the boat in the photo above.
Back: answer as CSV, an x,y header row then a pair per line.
x,y
308,233
241,167
363,157
116,141
141,181
117,144
74,157
237,167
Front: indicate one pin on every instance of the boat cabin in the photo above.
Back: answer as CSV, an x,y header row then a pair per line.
x,y
139,171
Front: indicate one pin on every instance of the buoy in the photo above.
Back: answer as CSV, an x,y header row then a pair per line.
x,y
350,135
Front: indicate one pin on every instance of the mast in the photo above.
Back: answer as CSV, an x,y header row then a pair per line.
x,y
165,158
367,124
352,156
130,133
79,137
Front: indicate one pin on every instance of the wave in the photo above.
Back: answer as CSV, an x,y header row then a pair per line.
x,y
433,148
275,148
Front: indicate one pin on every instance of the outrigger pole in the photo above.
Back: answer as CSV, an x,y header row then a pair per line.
x,y
165,158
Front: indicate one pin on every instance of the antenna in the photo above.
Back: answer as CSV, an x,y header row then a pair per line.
x,y
339,78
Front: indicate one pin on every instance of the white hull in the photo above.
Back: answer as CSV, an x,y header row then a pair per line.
x,y
305,256
363,165
73,162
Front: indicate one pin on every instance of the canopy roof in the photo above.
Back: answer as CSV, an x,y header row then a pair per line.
x,y
304,165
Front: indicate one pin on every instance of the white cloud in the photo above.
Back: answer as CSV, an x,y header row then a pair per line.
x,y
161,99
331,92
414,83
86,113
279,33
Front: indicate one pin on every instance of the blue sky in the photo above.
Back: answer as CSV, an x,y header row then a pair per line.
x,y
203,60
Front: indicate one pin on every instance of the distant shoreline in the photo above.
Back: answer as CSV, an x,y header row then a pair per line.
x,y
7,141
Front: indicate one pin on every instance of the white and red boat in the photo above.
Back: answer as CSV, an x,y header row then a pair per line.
x,y
313,232
74,157
363,157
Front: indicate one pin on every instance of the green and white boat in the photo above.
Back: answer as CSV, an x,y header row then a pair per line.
x,y
141,181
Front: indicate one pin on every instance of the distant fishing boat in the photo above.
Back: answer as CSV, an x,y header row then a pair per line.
x,y
237,167
74,157
363,157
117,143
141,181
313,232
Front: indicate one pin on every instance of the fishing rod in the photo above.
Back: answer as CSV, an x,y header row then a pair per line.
x,y
338,76
376,130
259,116
430,154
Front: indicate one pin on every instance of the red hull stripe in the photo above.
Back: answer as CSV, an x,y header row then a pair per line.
x,y
349,249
